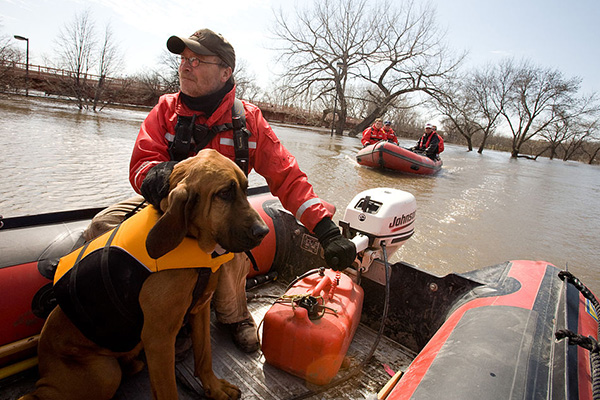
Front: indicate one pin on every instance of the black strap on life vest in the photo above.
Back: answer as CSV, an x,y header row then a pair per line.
x,y
252,260
191,137
240,135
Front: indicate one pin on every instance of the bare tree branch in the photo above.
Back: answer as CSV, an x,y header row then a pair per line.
x,y
336,44
536,99
110,60
75,46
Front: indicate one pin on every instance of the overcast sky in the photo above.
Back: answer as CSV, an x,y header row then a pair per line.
x,y
551,33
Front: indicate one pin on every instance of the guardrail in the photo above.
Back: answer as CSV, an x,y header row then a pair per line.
x,y
44,74
42,71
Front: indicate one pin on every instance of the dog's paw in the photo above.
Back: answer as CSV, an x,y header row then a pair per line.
x,y
223,391
132,367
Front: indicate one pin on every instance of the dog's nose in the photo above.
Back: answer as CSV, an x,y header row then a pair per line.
x,y
259,231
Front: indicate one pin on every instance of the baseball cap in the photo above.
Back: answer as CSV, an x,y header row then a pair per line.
x,y
387,123
204,42
428,126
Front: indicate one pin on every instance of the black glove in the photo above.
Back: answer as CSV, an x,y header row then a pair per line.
x,y
155,185
340,252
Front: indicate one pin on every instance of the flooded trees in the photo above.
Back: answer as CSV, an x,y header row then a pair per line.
x,y
109,62
538,97
81,54
472,103
389,52
9,56
528,103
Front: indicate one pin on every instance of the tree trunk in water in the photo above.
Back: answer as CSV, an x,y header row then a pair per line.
x,y
483,141
98,93
340,123
594,156
516,146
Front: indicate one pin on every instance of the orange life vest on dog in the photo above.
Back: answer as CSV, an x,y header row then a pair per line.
x,y
98,285
131,237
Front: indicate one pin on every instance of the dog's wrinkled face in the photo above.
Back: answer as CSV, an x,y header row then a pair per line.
x,y
207,201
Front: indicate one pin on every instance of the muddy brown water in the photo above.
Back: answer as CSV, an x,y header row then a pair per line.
x,y
479,210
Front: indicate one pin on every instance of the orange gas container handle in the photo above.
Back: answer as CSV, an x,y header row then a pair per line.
x,y
324,283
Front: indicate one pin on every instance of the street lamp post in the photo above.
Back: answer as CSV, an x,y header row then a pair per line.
x,y
339,65
26,64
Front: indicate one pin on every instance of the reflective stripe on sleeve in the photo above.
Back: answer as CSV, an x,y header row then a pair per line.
x,y
229,142
305,205
143,168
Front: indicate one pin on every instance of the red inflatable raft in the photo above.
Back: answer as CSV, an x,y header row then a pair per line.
x,y
391,156
501,342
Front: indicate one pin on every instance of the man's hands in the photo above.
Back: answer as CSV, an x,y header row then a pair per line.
x,y
155,186
340,252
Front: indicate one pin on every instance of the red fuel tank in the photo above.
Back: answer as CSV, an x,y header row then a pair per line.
x,y
308,331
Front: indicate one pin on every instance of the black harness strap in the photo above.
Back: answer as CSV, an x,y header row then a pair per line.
x,y
191,137
73,283
252,260
179,149
240,135
106,278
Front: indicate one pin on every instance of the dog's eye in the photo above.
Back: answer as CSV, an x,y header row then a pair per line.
x,y
227,194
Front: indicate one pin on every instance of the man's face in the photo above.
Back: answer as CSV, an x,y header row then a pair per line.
x,y
205,78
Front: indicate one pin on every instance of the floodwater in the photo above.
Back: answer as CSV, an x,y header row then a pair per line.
x,y
479,210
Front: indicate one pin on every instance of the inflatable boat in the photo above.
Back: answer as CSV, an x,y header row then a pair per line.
x,y
391,156
518,329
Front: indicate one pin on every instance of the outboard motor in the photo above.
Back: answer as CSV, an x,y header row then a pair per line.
x,y
377,217
308,330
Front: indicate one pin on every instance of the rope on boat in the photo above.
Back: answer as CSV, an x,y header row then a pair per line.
x,y
588,343
314,305
572,279
591,345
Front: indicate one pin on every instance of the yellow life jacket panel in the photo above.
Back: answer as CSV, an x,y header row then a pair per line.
x,y
98,285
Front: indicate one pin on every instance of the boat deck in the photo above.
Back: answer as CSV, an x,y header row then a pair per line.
x,y
257,379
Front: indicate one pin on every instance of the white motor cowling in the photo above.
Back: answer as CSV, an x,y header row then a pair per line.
x,y
376,216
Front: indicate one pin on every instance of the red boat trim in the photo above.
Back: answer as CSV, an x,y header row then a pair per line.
x,y
581,318
587,325
529,273
18,285
416,161
582,371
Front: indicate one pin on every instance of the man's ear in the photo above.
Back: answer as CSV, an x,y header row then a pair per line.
x,y
226,74
172,227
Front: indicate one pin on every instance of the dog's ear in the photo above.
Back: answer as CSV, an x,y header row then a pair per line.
x,y
172,227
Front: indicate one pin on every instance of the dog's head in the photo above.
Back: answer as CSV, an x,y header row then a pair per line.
x,y
207,200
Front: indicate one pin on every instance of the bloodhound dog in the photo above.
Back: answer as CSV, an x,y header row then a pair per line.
x,y
206,205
